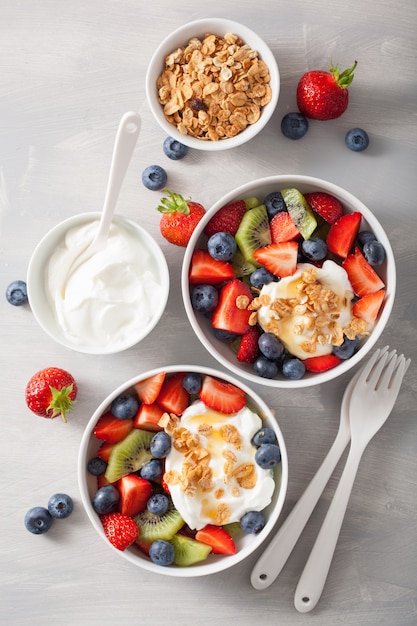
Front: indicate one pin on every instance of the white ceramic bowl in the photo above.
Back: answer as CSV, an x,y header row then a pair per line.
x,y
246,543
37,292
260,189
179,38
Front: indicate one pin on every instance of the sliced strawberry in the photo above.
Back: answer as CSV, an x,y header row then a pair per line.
x,y
361,274
102,481
325,205
149,388
321,363
249,349
342,234
367,308
104,451
143,545
206,270
283,228
165,486
148,417
231,313
227,219
111,429
120,530
218,538
279,258
222,396
173,397
135,492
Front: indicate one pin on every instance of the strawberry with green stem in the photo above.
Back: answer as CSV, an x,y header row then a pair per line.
x,y
324,95
179,218
51,392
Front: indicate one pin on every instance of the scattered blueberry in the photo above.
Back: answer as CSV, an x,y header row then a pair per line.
x,y
124,407
96,466
314,249
60,505
268,455
274,203
357,139
222,246
174,149
38,520
160,445
192,382
16,293
252,522
261,277
265,368
224,335
374,252
294,369
158,504
270,346
162,552
364,236
152,470
264,435
204,298
294,125
154,177
105,499
347,349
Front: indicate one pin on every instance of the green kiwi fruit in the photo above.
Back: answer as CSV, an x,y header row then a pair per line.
x,y
253,232
189,551
300,211
130,454
165,526
241,266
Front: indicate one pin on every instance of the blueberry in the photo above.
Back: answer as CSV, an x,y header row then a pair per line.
x,y
192,382
152,470
222,246
314,249
105,499
174,149
265,368
357,139
160,445
162,552
38,520
96,466
270,346
274,203
60,505
261,277
16,293
264,435
124,407
364,236
374,252
224,335
294,369
158,504
252,522
347,349
268,455
154,177
294,125
204,298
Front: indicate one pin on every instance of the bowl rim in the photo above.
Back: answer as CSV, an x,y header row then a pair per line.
x,y
39,257
187,30
204,568
346,197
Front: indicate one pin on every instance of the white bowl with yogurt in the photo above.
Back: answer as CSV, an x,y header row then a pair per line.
x,y
110,302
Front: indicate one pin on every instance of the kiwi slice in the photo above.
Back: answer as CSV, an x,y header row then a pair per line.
x,y
242,267
130,454
189,551
253,232
165,526
300,211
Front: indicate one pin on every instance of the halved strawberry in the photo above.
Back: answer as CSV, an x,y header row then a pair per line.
x,y
206,270
325,205
367,307
173,397
227,219
342,234
249,349
143,545
121,530
102,481
112,429
149,388
148,417
218,538
279,258
222,396
230,313
283,228
135,492
104,451
361,274
321,363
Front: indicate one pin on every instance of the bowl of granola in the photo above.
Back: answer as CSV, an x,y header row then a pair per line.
x,y
289,281
212,84
183,470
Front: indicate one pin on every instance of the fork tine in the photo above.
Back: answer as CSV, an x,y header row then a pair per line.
x,y
375,374
363,376
386,376
398,375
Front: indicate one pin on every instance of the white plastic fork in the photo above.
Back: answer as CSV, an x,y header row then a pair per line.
x,y
374,396
274,557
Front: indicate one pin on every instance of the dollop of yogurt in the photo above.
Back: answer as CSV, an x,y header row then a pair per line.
x,y
308,310
211,470
112,296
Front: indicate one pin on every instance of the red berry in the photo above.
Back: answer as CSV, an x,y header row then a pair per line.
x,y
179,219
325,205
324,95
120,530
227,219
51,392
222,396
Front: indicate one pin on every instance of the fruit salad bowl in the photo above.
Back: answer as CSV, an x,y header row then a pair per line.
x,y
185,459
240,77
246,275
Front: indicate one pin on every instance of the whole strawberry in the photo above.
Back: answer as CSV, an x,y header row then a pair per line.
x,y
179,218
51,392
324,95
121,530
